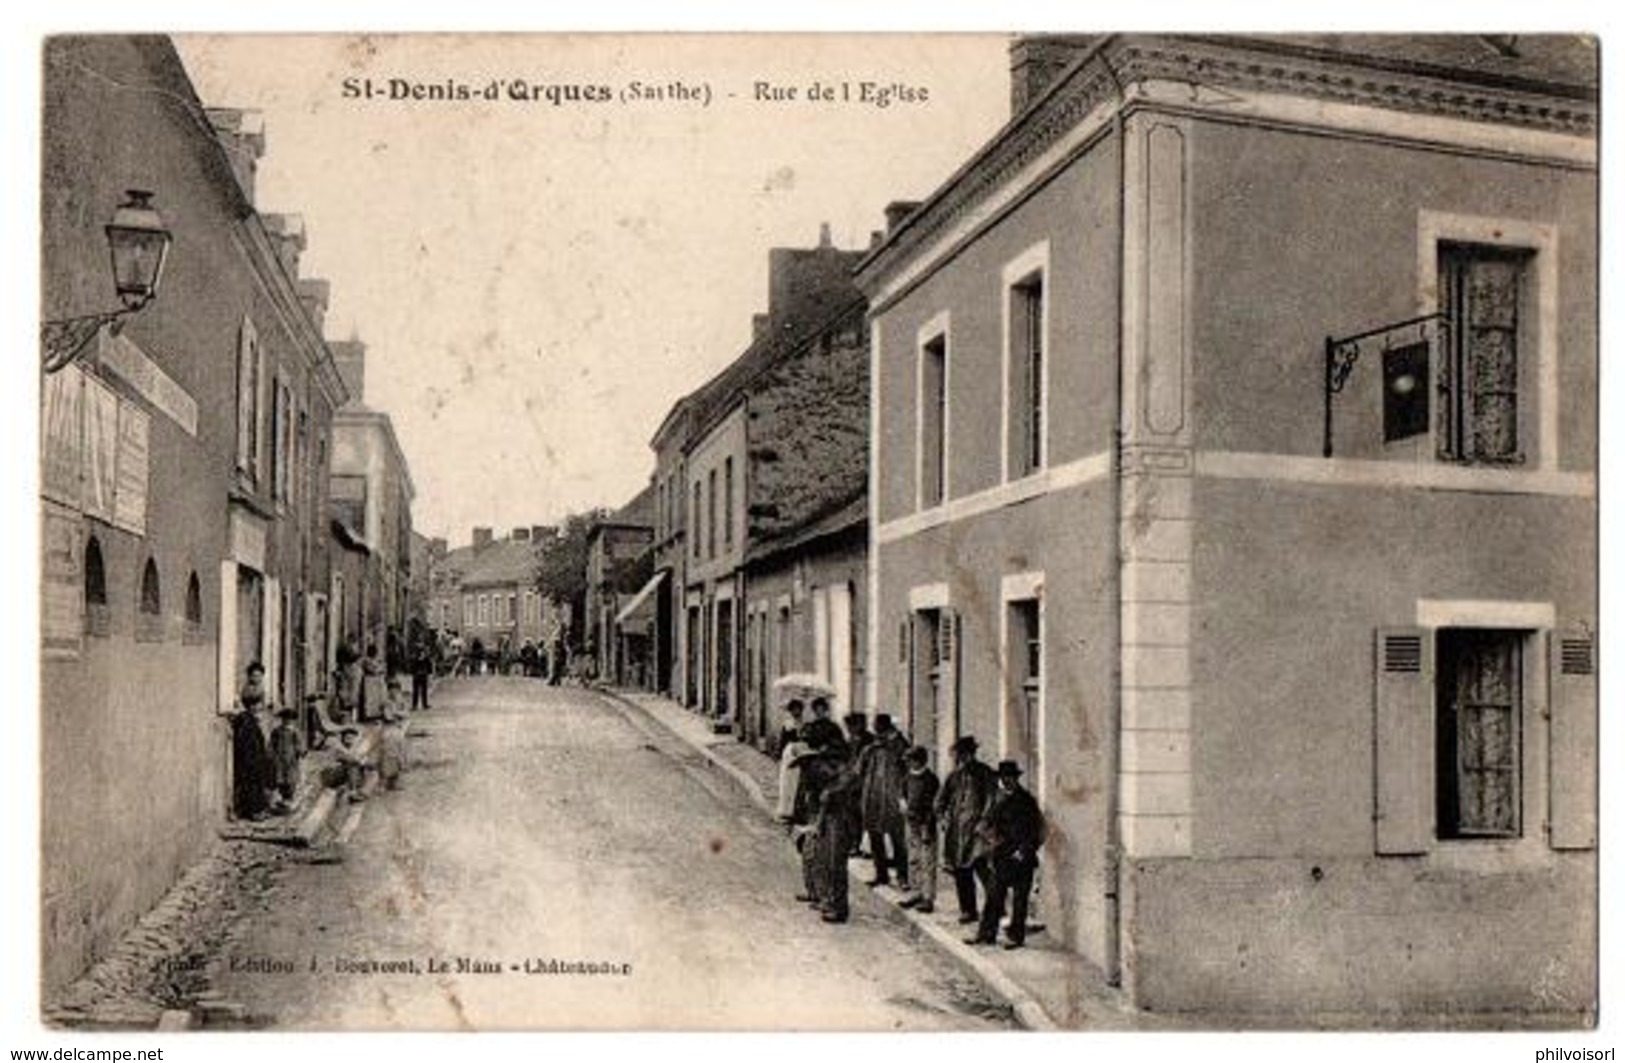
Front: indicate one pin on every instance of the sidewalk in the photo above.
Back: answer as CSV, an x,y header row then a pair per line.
x,y
1049,987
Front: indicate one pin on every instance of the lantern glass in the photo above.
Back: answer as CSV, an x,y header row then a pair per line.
x,y
139,243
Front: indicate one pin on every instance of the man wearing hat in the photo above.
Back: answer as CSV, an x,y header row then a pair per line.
x,y
880,774
961,805
1011,835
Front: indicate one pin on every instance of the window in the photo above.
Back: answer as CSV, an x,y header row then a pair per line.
x,y
1025,385
693,520
485,611
711,513
1478,733
468,610
281,439
152,600
97,616
933,424
149,618
194,605
248,400
1482,290
1024,669
728,502
513,615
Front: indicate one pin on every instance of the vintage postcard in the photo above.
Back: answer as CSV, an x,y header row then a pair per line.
x,y
1086,531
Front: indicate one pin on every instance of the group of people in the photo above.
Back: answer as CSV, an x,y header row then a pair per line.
x,y
841,787
366,712
534,660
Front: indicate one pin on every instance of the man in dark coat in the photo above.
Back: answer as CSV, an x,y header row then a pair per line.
x,y
880,769
837,833
1012,832
821,731
961,804
817,769
422,668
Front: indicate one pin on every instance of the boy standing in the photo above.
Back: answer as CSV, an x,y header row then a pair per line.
x,y
286,750
919,814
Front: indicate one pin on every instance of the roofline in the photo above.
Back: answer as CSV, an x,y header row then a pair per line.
x,y
743,390
1139,51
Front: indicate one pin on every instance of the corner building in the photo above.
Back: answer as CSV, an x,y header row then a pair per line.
x,y
1315,734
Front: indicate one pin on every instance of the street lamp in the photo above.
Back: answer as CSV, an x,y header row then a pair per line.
x,y
139,244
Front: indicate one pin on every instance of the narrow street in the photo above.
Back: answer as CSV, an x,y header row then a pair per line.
x,y
545,824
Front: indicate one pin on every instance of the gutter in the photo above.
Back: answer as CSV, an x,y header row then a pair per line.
x,y
1113,951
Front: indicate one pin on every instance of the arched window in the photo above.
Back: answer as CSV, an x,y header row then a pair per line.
x,y
152,598
194,610
97,617
95,574
149,620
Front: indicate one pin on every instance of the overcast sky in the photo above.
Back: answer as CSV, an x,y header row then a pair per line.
x,y
537,283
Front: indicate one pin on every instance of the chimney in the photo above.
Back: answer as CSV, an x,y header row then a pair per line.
x,y
482,539
314,295
876,238
540,532
438,547
1037,61
350,356
897,212
287,233
825,242
521,535
242,134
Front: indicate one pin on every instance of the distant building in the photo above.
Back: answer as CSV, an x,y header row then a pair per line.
x,y
807,289
1303,678
620,574
372,487
489,591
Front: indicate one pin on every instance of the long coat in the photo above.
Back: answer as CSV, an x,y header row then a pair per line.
x,y
1013,828
961,805
250,765
881,768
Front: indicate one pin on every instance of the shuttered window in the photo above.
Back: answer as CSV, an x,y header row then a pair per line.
x,y
1479,740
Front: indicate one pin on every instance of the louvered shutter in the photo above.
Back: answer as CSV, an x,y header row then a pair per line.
x,y
1573,663
905,649
1404,741
950,631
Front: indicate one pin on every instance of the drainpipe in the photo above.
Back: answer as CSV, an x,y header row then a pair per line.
x,y
1114,717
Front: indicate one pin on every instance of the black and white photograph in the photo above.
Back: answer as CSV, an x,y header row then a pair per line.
x,y
1040,530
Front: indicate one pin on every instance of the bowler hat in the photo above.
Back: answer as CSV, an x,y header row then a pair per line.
x,y
1010,769
917,755
288,714
965,744
882,721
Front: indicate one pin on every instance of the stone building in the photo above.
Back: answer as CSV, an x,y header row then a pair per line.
x,y
805,567
1297,648
183,485
489,590
807,287
372,485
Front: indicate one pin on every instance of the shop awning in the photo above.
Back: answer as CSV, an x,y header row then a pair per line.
x,y
639,612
